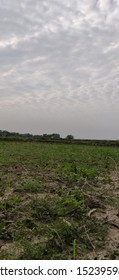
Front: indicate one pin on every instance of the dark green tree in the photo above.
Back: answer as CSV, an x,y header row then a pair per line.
x,y
69,137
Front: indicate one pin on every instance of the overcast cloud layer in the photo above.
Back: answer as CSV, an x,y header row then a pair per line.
x,y
59,67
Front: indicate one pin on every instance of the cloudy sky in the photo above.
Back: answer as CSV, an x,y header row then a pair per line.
x,y
59,67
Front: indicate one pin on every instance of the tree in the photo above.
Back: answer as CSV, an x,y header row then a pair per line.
x,y
55,136
69,137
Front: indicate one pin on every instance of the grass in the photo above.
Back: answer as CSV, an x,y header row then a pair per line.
x,y
47,191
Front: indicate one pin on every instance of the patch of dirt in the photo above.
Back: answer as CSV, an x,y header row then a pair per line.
x,y
12,249
17,170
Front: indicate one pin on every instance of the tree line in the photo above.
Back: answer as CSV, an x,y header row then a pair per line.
x,y
4,134
53,138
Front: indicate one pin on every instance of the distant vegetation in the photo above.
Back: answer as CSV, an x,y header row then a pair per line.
x,y
53,138
4,134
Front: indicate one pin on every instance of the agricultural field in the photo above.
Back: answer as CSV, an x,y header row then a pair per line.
x,y
58,201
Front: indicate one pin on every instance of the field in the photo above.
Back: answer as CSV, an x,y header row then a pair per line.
x,y
58,201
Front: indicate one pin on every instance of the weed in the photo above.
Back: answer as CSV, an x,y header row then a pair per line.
x,y
33,251
31,186
42,209
74,249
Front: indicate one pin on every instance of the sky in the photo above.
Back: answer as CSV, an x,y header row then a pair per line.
x,y
59,67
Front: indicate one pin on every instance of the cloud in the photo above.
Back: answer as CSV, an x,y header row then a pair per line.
x,y
60,58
